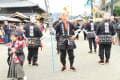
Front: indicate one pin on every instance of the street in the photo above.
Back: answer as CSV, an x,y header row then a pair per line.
x,y
86,64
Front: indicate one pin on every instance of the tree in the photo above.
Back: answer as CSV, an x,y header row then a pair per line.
x,y
117,11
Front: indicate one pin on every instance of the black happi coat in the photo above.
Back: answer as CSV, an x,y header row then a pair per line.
x,y
55,23
104,36
37,31
88,27
54,26
90,31
66,35
37,34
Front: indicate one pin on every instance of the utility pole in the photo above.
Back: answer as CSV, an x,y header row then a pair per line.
x,y
111,7
48,13
71,9
47,6
91,8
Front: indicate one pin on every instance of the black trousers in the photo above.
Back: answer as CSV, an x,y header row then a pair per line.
x,y
16,79
104,49
92,41
85,36
33,54
63,57
119,36
77,36
57,39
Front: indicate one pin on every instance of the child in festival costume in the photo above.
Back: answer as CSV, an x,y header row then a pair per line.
x,y
16,58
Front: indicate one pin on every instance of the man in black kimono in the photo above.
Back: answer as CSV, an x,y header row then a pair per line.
x,y
105,32
91,35
33,34
66,42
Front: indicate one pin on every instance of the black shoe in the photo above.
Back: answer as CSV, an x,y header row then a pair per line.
x,y
20,79
101,62
35,64
29,62
107,62
73,68
95,51
63,68
90,52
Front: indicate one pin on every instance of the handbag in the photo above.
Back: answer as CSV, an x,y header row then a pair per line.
x,y
34,42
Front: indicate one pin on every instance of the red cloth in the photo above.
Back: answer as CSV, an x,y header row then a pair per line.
x,y
18,44
113,42
1,40
41,28
96,43
65,25
16,59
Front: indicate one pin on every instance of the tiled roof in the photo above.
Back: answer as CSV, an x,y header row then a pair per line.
x,y
18,14
3,18
17,4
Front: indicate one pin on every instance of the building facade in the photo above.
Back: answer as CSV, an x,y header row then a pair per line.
x,y
106,5
9,7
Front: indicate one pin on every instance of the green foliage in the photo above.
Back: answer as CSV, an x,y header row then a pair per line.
x,y
117,11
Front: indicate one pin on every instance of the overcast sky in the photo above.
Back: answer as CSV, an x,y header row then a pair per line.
x,y
58,5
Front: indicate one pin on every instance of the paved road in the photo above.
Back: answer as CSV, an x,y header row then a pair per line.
x,y
86,64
